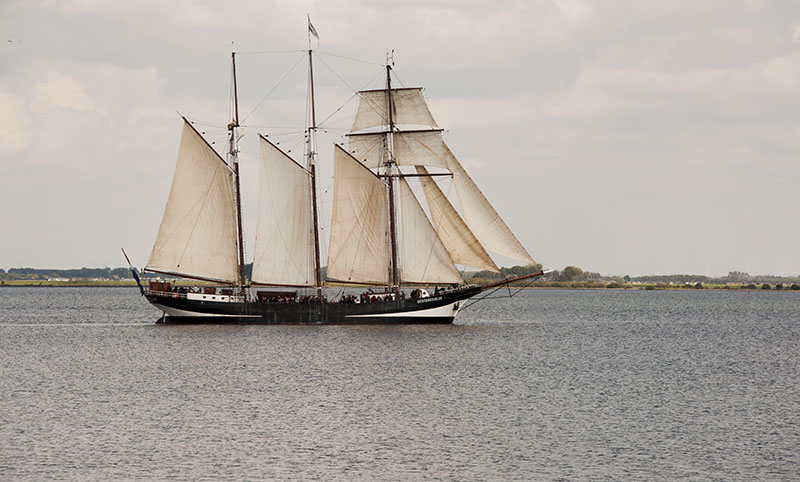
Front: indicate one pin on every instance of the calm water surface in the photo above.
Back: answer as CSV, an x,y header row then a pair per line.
x,y
551,385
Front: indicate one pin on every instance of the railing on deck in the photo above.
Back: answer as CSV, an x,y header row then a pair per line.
x,y
195,296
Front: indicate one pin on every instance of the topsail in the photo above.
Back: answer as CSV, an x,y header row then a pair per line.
x,y
408,108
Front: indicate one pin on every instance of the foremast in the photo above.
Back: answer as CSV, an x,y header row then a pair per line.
x,y
233,159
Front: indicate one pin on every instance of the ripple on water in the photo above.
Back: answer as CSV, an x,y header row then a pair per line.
x,y
564,385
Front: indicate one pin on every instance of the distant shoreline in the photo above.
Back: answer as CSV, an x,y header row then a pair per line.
x,y
547,285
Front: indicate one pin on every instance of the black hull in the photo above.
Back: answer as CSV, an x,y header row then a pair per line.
x,y
437,309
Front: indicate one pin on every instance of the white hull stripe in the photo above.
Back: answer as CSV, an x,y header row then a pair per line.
x,y
445,311
176,312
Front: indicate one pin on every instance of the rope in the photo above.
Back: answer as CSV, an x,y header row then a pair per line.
x,y
275,87
348,58
489,296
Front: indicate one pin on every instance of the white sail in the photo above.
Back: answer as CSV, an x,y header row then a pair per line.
x,y
409,108
481,217
411,148
359,248
461,244
284,249
197,237
424,258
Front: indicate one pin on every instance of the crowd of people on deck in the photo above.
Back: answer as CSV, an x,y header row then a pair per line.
x,y
365,297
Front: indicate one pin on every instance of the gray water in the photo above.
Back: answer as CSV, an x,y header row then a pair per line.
x,y
550,385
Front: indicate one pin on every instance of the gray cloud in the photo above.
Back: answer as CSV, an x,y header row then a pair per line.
x,y
624,137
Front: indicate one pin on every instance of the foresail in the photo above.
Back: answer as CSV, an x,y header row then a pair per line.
x,y
284,249
411,148
424,258
481,217
197,237
409,108
359,248
461,244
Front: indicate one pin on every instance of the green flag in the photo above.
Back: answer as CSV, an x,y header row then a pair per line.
x,y
312,30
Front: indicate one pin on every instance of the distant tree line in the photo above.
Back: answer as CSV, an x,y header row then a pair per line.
x,y
570,274
82,273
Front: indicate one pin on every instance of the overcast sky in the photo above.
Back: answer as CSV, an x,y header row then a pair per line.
x,y
624,137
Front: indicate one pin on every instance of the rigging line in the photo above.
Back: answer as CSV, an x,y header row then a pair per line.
x,y
275,87
293,133
322,122
399,79
340,77
488,296
355,92
347,58
253,126
196,121
269,52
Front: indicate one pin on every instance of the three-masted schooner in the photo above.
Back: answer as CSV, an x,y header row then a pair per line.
x,y
381,239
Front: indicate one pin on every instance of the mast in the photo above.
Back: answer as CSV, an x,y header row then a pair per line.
x,y
234,156
389,172
312,145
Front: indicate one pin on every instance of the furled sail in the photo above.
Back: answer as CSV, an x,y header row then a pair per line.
x,y
411,148
461,244
481,217
409,107
359,248
424,258
284,249
197,237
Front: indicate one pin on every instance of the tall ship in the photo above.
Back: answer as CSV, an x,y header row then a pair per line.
x,y
388,261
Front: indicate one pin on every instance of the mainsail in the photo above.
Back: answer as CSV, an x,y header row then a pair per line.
x,y
424,258
197,237
462,246
284,251
359,248
481,217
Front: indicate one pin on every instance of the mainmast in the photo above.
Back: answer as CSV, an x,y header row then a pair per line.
x,y
312,148
237,192
390,168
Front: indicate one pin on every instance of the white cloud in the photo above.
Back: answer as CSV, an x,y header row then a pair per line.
x,y
14,124
60,91
576,12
